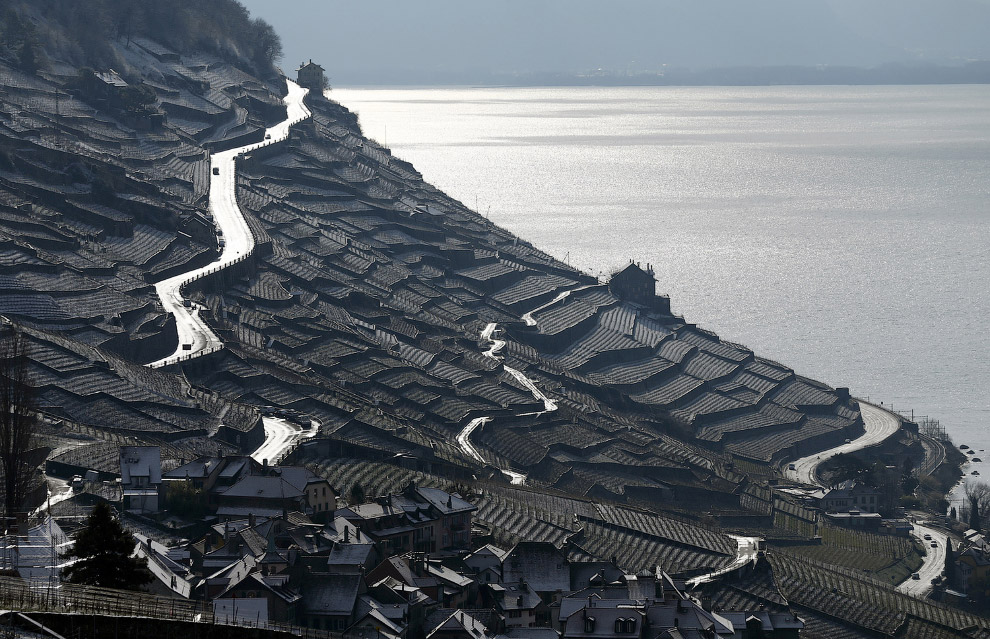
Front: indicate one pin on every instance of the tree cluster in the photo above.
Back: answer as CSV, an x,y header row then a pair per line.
x,y
19,42
82,32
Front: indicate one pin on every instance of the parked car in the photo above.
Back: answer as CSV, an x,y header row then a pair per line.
x,y
77,482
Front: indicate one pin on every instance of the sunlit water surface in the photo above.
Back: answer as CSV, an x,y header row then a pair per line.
x,y
840,230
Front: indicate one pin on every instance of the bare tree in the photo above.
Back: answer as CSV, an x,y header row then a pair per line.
x,y
17,419
978,496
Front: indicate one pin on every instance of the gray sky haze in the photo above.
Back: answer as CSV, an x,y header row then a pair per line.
x,y
403,42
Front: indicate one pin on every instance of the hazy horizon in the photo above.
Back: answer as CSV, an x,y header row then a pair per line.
x,y
388,41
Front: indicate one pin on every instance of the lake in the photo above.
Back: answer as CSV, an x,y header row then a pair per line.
x,y
843,231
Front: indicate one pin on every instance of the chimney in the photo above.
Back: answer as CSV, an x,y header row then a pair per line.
x,y
251,520
347,534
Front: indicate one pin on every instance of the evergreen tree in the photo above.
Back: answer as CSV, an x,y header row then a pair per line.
x,y
103,549
357,493
950,565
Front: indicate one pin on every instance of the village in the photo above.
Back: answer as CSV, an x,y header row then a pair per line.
x,y
277,546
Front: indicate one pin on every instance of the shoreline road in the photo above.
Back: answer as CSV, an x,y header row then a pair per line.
x,y
880,424
746,550
934,561
195,337
280,436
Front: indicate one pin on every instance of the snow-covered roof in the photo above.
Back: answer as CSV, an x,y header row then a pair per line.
x,y
140,461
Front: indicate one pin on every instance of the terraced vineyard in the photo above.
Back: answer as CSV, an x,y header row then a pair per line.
x,y
870,603
886,557
375,478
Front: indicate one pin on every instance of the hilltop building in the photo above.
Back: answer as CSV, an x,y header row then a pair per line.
x,y
310,75
638,285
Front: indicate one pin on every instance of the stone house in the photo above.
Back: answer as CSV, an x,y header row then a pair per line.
x,y
310,75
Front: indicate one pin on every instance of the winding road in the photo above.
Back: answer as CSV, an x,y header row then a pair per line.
x,y
195,337
237,243
880,424
464,437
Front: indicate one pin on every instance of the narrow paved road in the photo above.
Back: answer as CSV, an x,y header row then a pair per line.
x,y
280,436
464,438
195,337
746,549
880,425
934,562
548,404
528,317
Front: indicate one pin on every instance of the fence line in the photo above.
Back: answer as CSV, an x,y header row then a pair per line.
x,y
21,596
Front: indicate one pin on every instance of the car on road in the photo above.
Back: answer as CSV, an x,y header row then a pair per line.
x,y
934,544
216,170
915,576
187,347
791,467
928,537
77,482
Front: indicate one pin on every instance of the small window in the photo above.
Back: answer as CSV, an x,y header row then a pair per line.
x,y
589,624
620,625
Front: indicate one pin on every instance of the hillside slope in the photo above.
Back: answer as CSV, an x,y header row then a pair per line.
x,y
368,294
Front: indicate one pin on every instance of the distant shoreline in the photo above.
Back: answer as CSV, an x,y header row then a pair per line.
x,y
970,73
